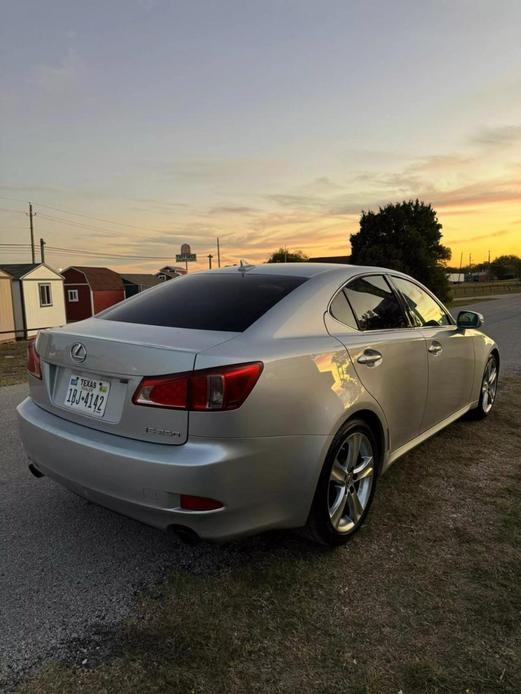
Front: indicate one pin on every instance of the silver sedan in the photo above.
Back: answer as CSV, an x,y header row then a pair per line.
x,y
228,402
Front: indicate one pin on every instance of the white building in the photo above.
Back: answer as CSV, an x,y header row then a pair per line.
x,y
6,308
37,297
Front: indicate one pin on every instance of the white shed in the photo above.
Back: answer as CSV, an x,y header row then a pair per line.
x,y
6,308
38,297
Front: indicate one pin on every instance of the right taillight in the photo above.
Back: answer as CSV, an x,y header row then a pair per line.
x,y
221,388
34,366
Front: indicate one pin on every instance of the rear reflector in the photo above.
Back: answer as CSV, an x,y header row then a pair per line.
x,y
33,359
222,388
199,503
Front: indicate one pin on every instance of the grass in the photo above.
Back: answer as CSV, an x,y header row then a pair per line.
x,y
464,301
12,363
426,598
470,290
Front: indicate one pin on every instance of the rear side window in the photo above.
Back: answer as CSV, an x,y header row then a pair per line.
x,y
206,301
375,304
341,310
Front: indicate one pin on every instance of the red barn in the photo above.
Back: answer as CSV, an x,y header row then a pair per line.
x,y
89,290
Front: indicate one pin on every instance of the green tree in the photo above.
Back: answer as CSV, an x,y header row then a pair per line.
x,y
506,267
285,256
405,236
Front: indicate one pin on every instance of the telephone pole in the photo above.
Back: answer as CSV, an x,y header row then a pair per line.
x,y
42,251
31,215
218,253
210,256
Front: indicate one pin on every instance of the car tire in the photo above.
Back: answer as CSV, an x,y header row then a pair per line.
x,y
346,485
488,392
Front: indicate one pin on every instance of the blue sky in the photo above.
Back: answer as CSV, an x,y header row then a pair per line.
x,y
266,123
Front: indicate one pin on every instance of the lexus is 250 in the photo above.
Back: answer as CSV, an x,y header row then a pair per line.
x,y
232,401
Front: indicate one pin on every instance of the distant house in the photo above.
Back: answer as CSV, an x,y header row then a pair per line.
x,y
89,290
340,259
170,272
6,308
133,284
37,297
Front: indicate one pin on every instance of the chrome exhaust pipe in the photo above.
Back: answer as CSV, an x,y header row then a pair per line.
x,y
34,470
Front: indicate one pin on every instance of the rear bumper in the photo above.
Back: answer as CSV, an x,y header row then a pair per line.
x,y
264,482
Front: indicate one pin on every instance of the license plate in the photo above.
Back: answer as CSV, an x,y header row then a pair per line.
x,y
87,395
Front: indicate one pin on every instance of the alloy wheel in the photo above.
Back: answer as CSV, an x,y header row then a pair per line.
x,y
489,385
350,482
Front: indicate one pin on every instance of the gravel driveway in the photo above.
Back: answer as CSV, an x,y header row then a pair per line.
x,y
69,569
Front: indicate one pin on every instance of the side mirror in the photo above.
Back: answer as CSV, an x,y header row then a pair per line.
x,y
469,319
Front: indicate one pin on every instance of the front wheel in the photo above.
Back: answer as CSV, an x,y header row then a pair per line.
x,y
346,486
487,396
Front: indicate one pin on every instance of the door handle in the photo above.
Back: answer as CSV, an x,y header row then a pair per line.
x,y
370,357
435,348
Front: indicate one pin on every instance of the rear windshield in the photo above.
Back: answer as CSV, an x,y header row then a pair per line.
x,y
209,301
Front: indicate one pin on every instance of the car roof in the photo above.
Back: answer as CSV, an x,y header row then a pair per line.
x,y
300,269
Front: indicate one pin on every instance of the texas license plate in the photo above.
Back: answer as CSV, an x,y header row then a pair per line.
x,y
87,395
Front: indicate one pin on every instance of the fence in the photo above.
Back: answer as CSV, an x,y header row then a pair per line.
x,y
485,288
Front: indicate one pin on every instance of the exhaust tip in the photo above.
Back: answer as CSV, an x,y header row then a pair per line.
x,y
186,535
34,470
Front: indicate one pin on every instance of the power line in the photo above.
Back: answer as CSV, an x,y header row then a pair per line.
x,y
98,254
82,214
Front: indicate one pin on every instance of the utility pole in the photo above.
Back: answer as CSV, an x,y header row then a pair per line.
x,y
210,256
489,273
42,251
218,253
31,215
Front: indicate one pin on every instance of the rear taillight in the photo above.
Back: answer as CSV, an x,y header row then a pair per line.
x,y
199,503
222,388
33,359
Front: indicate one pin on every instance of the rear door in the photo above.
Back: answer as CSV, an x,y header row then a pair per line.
x,y
390,359
450,353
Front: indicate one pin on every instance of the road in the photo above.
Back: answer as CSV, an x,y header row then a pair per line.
x,y
503,323
69,570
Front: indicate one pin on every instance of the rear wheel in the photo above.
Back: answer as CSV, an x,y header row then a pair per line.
x,y
346,486
487,396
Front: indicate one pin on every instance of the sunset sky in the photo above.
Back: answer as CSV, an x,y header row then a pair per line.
x,y
136,125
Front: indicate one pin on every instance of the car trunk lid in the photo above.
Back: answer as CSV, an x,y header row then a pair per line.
x,y
110,358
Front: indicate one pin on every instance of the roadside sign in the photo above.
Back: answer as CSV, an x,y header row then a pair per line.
x,y
186,256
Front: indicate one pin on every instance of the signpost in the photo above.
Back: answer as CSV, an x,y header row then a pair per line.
x,y
186,255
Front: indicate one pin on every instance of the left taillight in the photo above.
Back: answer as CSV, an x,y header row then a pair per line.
x,y
221,388
34,366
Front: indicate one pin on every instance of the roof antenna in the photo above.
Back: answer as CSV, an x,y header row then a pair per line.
x,y
244,267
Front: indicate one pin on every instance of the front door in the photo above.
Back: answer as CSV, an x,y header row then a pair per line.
x,y
450,353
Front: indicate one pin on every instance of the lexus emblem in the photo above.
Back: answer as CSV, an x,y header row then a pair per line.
x,y
78,352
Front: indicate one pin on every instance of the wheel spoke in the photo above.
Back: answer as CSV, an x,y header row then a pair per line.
x,y
492,375
364,470
337,510
338,472
485,399
355,441
355,507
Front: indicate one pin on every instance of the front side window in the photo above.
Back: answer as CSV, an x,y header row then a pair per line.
x,y
45,294
206,301
375,304
72,295
424,310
